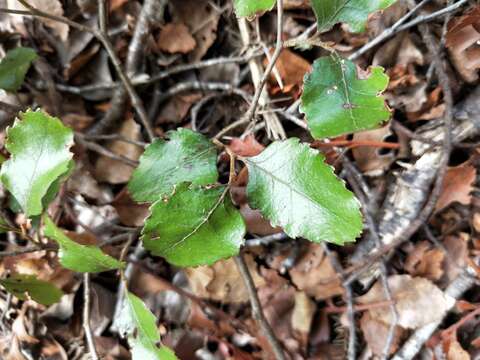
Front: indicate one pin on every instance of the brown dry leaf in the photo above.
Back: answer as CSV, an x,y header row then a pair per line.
x,y
457,250
292,68
256,223
456,352
302,316
368,158
425,261
417,300
462,42
175,110
52,7
222,281
457,185
202,20
247,146
315,274
115,171
376,333
176,38
130,212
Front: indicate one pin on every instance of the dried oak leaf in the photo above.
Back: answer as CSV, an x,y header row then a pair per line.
x,y
176,38
247,146
221,281
376,333
115,171
457,185
417,300
291,68
462,42
315,274
425,261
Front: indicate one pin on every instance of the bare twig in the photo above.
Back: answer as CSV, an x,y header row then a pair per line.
x,y
278,49
257,308
86,317
387,32
105,152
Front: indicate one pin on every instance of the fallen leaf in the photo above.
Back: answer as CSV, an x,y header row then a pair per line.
x,y
425,261
457,185
314,274
457,250
417,300
52,7
456,352
302,316
247,146
256,223
369,159
376,333
115,171
176,38
291,68
222,281
175,110
202,20
129,211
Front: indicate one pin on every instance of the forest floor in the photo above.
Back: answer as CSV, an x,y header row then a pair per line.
x,y
405,289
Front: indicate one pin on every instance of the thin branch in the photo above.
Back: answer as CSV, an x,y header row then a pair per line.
x,y
387,32
278,49
86,317
400,25
257,308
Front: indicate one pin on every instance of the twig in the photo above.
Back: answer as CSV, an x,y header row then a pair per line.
x,y
133,59
86,317
403,230
352,332
266,240
400,25
105,152
103,38
387,32
257,308
278,49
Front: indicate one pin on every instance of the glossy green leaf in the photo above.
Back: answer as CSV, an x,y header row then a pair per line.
x,y
14,66
352,12
293,187
138,324
250,8
195,226
78,257
27,287
39,147
336,101
187,156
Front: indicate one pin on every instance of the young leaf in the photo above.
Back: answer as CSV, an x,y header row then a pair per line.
x,y
352,12
139,325
250,8
14,66
187,156
194,227
39,147
27,287
335,101
78,257
294,188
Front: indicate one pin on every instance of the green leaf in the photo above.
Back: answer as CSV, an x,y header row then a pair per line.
x,y
293,187
250,8
78,257
195,226
27,287
14,66
187,156
39,147
335,101
352,12
55,187
139,325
